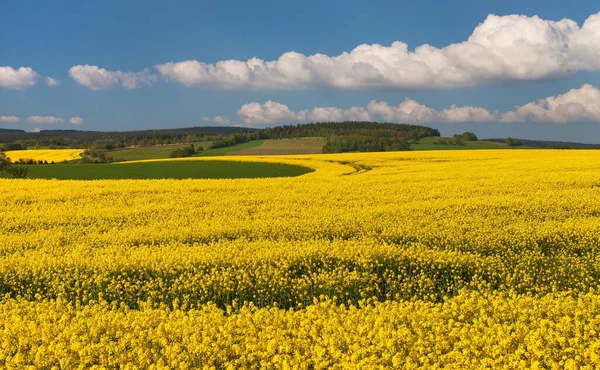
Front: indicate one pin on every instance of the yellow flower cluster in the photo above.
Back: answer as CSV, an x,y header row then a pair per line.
x,y
50,155
470,331
457,258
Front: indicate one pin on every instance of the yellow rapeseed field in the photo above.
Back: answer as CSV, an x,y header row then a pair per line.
x,y
50,155
451,259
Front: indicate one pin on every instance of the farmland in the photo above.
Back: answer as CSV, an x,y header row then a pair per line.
x,y
151,152
304,145
433,143
164,151
467,259
50,155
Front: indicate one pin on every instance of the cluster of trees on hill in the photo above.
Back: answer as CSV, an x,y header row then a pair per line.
x,y
341,136
332,129
355,136
362,143
457,139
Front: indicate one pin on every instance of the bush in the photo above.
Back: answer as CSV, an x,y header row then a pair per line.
x,y
17,172
457,140
7,166
183,152
467,136
513,142
95,156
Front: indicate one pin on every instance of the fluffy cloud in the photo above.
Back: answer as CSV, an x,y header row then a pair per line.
x,y
97,78
329,114
76,120
408,111
21,78
466,114
45,119
222,120
502,48
51,82
269,112
577,105
9,119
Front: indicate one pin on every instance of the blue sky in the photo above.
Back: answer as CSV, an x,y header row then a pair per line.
x,y
119,44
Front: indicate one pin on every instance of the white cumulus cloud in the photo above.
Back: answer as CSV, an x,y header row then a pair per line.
x,y
502,48
9,119
45,119
19,79
577,105
269,112
97,78
409,111
466,114
76,120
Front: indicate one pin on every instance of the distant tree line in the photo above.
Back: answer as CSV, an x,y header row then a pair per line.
x,y
548,144
20,140
32,161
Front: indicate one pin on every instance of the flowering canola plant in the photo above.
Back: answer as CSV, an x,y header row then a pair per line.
x,y
50,155
459,259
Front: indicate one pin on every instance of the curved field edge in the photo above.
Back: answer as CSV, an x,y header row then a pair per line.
x,y
166,170
322,164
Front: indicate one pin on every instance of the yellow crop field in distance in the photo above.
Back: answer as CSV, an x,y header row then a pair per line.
x,y
55,155
451,259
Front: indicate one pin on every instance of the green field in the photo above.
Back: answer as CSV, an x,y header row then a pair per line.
x,y
152,152
163,170
164,151
303,145
229,150
427,143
